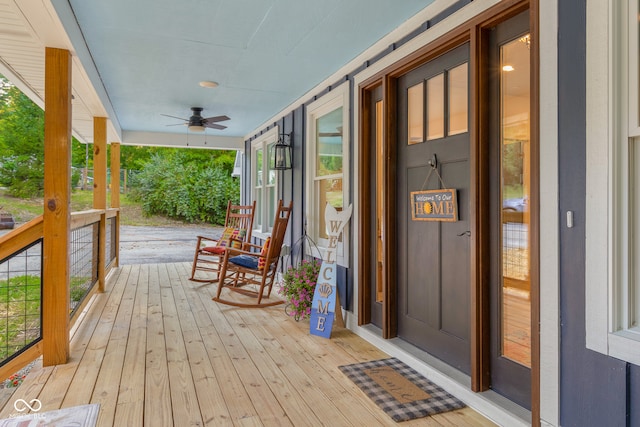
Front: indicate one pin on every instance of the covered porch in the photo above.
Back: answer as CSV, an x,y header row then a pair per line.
x,y
153,349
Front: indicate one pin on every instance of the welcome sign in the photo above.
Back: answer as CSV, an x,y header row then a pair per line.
x,y
325,296
434,205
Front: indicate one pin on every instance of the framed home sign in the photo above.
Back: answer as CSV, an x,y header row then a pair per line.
x,y
434,205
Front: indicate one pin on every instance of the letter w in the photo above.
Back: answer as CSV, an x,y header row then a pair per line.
x,y
335,226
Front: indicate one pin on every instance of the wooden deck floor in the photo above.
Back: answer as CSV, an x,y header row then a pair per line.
x,y
154,350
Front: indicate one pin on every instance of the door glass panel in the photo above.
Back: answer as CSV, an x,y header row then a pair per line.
x,y
380,196
458,100
515,192
415,112
435,107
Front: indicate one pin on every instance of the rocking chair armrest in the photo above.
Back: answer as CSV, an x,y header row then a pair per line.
x,y
207,238
248,246
231,252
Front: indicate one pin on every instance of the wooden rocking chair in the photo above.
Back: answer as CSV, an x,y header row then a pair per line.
x,y
209,252
241,269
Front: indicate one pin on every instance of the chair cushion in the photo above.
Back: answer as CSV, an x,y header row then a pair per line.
x,y
232,233
265,248
215,250
246,261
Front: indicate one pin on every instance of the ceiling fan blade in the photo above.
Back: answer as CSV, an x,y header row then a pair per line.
x,y
174,117
216,119
214,126
177,124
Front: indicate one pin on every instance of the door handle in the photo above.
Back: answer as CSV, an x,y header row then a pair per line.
x,y
466,233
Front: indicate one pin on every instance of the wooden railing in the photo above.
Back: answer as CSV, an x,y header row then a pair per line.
x,y
99,250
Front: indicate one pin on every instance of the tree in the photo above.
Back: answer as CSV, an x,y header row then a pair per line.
x,y
21,143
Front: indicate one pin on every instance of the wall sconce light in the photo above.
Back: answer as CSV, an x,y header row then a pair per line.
x,y
281,153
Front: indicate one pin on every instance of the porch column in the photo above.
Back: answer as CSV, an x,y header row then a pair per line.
x,y
57,215
115,195
100,190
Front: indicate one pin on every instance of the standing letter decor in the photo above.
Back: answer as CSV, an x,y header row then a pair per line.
x,y
325,296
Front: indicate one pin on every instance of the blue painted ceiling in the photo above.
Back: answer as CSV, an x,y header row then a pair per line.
x,y
265,54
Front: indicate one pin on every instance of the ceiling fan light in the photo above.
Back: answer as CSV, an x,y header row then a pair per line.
x,y
196,128
208,83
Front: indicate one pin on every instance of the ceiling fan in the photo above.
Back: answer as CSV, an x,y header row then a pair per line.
x,y
197,123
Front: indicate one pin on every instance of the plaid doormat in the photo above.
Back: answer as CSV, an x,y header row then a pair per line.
x,y
399,390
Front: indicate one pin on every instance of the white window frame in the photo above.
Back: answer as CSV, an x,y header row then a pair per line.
x,y
612,210
262,224
336,98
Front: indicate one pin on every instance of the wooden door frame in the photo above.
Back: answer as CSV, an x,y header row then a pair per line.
x,y
475,32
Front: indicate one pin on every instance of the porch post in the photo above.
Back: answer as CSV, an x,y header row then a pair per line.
x,y
100,190
115,195
57,215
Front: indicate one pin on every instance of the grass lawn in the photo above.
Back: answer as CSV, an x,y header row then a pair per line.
x,y
20,313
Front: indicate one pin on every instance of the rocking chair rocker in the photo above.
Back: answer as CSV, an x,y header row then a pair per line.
x,y
209,252
241,269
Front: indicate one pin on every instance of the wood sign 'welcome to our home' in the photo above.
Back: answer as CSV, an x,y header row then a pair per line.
x,y
434,205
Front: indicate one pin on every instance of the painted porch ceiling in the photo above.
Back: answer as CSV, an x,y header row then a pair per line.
x,y
151,54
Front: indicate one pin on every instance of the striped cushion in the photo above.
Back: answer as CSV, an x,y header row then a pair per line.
x,y
232,233
265,248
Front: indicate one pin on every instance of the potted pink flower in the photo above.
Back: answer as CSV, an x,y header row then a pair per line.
x,y
297,288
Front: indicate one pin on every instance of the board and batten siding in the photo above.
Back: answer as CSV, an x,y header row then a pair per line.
x,y
292,186
595,390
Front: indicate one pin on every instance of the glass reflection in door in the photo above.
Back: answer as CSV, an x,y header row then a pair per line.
x,y
515,196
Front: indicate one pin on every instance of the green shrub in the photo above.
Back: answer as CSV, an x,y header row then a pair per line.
x,y
183,186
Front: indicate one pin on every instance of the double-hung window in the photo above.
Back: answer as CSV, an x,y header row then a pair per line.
x,y
264,180
327,164
613,179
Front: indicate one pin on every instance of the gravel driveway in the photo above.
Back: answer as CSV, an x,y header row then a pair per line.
x,y
147,245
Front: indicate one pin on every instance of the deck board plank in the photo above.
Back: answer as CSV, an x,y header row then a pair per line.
x,y
155,350
239,405
130,404
158,411
267,406
210,398
183,394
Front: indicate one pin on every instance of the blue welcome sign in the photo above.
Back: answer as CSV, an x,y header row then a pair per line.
x,y
325,296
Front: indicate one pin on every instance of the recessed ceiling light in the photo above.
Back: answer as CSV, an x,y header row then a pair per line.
x,y
209,84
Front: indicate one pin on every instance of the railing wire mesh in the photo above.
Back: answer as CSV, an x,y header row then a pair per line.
x,y
110,243
20,301
83,263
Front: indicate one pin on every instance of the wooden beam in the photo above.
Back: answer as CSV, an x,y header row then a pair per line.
x,y
99,163
115,174
100,191
57,215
